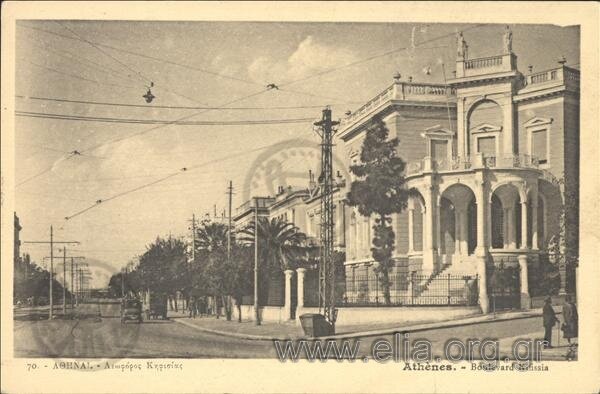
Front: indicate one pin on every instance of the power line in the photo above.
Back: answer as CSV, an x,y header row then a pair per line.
x,y
181,171
144,78
82,60
101,103
160,126
159,121
80,38
328,71
80,77
153,58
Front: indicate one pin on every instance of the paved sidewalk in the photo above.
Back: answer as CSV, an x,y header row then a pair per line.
x,y
268,331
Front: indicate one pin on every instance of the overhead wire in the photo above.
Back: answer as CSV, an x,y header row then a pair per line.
x,y
390,52
152,106
206,71
162,179
159,121
80,38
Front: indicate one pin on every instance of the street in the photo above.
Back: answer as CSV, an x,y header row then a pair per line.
x,y
106,337
103,336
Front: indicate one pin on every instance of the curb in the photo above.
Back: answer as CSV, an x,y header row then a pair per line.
x,y
414,328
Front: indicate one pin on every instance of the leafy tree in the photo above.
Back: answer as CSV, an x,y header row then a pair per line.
x,y
380,190
162,267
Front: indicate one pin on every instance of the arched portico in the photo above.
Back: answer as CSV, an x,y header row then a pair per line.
x,y
458,222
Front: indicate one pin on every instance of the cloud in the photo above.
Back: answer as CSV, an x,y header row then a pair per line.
x,y
309,57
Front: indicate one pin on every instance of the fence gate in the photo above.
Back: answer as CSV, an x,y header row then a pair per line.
x,y
504,283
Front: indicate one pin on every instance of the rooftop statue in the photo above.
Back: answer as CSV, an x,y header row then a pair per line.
x,y
507,40
461,46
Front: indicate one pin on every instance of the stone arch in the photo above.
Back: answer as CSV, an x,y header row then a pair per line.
x,y
519,184
483,116
505,202
458,222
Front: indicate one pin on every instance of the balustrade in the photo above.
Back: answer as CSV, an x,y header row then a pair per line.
x,y
483,62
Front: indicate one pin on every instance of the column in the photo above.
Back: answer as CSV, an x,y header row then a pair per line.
x,y
481,247
505,228
524,225
301,272
464,231
534,220
411,230
429,255
438,235
512,228
525,300
456,231
287,307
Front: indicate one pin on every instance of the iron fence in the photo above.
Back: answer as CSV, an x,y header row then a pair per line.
x,y
406,289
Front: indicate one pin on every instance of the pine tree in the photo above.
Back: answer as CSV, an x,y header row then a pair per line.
x,y
380,191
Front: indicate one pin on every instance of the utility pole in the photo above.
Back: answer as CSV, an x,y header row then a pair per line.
x,y
326,266
257,317
52,242
230,193
72,286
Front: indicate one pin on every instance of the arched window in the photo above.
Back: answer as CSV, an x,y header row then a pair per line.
x,y
485,121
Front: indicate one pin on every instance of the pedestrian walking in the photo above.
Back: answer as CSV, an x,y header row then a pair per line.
x,y
549,321
570,326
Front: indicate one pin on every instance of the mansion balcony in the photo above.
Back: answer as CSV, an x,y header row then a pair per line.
x,y
398,92
548,82
468,163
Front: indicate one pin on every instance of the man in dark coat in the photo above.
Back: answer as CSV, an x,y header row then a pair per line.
x,y
549,320
570,325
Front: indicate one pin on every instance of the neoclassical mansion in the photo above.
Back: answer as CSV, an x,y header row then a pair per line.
x,y
484,152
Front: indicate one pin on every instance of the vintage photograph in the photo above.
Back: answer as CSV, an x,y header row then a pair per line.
x,y
287,191
334,180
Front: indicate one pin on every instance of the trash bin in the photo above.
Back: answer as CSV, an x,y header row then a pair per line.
x,y
315,325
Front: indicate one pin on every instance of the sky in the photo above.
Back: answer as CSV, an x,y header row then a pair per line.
x,y
229,65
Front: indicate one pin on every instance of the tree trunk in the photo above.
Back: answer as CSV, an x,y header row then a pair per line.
x,y
385,278
227,305
239,308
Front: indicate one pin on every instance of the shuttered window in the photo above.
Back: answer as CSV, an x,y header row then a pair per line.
x,y
487,146
539,145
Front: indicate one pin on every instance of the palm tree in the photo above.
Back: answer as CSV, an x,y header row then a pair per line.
x,y
211,236
281,244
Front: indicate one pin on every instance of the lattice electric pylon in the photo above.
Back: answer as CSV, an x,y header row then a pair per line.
x,y
326,266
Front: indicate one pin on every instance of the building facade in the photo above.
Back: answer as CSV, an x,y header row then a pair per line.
x,y
491,155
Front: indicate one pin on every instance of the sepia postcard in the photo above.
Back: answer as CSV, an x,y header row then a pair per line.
x,y
300,197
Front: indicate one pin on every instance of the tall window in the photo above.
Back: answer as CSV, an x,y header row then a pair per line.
x,y
487,146
539,145
439,150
